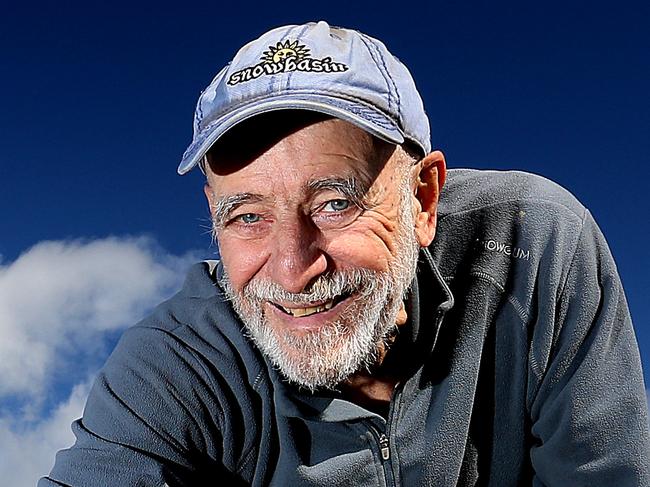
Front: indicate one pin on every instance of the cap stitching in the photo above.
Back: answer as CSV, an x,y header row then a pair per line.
x,y
397,95
372,55
202,135
205,132
298,37
285,35
200,118
199,105
339,94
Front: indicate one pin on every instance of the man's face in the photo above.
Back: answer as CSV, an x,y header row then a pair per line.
x,y
316,235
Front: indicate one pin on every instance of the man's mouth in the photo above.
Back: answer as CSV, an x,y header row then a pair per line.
x,y
299,312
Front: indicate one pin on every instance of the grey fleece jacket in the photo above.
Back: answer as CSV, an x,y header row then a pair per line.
x,y
529,375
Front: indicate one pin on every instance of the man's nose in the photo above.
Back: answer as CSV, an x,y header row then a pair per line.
x,y
297,258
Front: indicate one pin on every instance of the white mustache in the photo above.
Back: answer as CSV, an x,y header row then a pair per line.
x,y
326,287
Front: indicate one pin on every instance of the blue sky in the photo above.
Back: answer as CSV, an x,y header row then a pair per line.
x,y
97,102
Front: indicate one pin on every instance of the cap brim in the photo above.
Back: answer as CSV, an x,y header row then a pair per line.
x,y
360,114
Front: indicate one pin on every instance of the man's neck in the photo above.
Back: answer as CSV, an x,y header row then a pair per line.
x,y
371,392
373,389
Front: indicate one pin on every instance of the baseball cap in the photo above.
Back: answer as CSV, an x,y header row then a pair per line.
x,y
339,72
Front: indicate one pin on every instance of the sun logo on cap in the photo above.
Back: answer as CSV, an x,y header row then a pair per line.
x,y
282,51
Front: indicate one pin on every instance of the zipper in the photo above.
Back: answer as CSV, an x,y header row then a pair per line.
x,y
384,447
384,443
380,430
384,450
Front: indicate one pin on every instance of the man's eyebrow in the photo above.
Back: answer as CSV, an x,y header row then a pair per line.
x,y
351,188
225,205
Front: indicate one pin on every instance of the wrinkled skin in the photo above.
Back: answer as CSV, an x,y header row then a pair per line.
x,y
286,222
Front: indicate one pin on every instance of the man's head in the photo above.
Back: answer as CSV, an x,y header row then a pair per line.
x,y
339,72
319,216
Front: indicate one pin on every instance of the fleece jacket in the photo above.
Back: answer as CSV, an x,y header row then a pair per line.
x,y
521,359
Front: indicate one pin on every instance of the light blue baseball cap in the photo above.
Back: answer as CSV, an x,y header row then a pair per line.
x,y
339,72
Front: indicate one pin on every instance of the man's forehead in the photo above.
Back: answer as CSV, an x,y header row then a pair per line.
x,y
296,179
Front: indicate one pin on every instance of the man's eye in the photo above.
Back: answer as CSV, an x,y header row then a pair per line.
x,y
248,218
336,205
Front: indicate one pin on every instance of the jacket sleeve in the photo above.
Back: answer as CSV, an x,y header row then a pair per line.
x,y
589,415
152,419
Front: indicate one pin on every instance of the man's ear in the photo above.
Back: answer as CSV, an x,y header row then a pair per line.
x,y
209,194
431,173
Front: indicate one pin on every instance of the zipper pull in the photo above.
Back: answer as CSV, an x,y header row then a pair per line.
x,y
383,445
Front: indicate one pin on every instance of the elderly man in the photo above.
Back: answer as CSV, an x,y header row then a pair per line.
x,y
336,342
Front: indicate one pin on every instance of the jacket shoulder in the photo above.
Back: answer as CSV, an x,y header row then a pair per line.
x,y
200,319
470,189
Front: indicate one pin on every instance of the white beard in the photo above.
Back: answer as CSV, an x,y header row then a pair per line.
x,y
325,357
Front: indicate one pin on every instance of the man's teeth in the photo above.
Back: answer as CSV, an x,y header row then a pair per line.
x,y
300,312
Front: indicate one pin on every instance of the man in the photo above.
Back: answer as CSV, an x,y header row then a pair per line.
x,y
336,342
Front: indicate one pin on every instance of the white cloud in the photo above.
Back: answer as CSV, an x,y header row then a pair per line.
x,y
59,301
28,452
56,298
